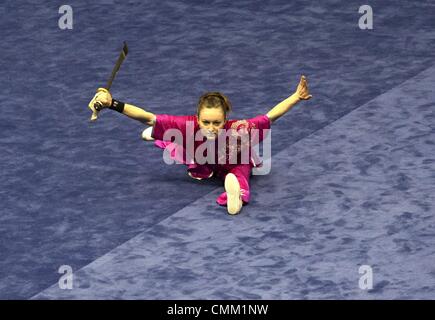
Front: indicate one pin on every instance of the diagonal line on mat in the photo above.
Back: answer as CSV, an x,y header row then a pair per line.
x,y
107,257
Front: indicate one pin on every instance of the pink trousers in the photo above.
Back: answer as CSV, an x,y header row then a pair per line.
x,y
241,171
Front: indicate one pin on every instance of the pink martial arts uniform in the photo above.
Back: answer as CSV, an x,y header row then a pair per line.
x,y
200,171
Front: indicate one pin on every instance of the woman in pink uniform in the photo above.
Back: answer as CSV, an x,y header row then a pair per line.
x,y
211,123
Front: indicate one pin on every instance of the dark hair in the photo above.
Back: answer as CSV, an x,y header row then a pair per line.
x,y
214,100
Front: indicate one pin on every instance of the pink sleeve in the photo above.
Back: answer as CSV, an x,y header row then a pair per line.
x,y
262,125
165,122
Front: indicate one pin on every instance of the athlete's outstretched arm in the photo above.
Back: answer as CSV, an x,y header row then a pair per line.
x,y
302,93
105,99
139,114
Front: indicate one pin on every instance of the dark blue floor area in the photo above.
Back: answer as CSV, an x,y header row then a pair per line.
x,y
73,190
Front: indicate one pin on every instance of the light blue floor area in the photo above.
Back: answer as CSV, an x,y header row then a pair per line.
x,y
357,192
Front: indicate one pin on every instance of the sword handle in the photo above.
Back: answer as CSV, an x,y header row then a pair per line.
x,y
98,106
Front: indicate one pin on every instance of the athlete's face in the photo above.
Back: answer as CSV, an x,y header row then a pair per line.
x,y
210,120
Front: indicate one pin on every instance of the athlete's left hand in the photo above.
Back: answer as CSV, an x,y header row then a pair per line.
x,y
302,90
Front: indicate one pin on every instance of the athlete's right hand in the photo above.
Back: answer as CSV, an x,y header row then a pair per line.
x,y
102,99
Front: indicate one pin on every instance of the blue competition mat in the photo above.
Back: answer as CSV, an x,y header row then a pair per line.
x,y
352,180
